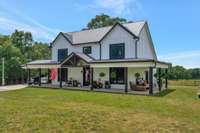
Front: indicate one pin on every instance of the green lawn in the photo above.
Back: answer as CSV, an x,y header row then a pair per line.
x,y
56,110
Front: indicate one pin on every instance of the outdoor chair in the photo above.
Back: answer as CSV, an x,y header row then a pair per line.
x,y
135,87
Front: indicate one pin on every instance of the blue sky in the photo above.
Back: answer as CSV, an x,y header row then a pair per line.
x,y
174,24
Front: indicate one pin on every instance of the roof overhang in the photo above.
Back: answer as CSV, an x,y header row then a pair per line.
x,y
37,66
129,63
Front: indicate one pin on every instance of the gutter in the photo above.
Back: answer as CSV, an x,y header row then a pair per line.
x,y
136,46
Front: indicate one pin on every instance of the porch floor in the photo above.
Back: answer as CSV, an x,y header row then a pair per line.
x,y
87,88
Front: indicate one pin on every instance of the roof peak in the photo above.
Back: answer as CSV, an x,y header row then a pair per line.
x,y
131,22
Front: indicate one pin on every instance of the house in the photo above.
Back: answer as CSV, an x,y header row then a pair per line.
x,y
117,58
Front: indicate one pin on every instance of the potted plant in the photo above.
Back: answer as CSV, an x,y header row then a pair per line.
x,y
137,76
107,85
101,75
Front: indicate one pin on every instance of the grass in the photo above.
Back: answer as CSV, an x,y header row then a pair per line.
x,y
56,110
189,82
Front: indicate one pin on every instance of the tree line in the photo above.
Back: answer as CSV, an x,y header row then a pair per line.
x,y
18,49
179,72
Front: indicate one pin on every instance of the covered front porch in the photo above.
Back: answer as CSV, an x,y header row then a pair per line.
x,y
80,72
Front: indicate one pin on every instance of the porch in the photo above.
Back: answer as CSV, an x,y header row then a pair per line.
x,y
87,88
80,72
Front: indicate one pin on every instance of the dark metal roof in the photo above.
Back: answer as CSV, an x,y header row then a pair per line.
x,y
96,35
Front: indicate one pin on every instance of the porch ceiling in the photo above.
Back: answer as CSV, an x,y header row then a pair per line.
x,y
136,64
44,66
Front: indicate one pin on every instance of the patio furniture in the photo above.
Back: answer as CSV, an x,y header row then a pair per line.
x,y
94,84
75,83
69,83
97,84
135,87
107,85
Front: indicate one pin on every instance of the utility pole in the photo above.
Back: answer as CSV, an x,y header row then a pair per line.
x,y
3,76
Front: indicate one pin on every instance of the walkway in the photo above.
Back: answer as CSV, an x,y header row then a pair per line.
x,y
12,87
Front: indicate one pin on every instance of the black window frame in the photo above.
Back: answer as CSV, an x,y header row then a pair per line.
x,y
120,78
90,51
117,45
60,60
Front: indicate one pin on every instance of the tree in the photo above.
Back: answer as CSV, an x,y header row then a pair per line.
x,y
103,20
18,49
22,40
40,51
179,72
195,73
13,61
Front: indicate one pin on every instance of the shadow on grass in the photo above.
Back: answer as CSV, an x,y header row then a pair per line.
x,y
164,93
160,94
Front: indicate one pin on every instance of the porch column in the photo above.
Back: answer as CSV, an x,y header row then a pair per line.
x,y
126,79
48,77
29,77
159,79
39,82
151,80
91,78
166,78
60,76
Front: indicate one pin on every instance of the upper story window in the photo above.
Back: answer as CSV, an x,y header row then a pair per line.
x,y
87,50
62,54
117,51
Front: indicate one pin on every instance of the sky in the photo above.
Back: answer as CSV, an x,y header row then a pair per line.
x,y
174,24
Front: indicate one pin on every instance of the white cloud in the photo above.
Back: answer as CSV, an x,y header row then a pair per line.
x,y
11,19
116,7
10,25
188,59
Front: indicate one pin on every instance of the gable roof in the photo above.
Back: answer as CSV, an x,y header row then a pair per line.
x,y
96,35
83,56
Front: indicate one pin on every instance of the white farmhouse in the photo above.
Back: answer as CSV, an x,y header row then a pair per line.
x,y
118,58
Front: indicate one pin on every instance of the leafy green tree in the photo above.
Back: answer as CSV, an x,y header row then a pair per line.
x,y
40,51
179,72
195,73
18,49
22,40
13,61
103,20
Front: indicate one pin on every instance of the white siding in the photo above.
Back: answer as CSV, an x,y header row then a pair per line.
x,y
131,74
118,35
97,71
61,43
145,49
76,74
95,49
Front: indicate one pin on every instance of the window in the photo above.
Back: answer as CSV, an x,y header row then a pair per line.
x,y
117,76
117,51
87,50
62,54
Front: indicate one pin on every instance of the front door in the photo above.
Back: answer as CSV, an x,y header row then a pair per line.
x,y
86,76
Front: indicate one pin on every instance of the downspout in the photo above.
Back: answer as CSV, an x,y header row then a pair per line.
x,y
136,47
100,50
